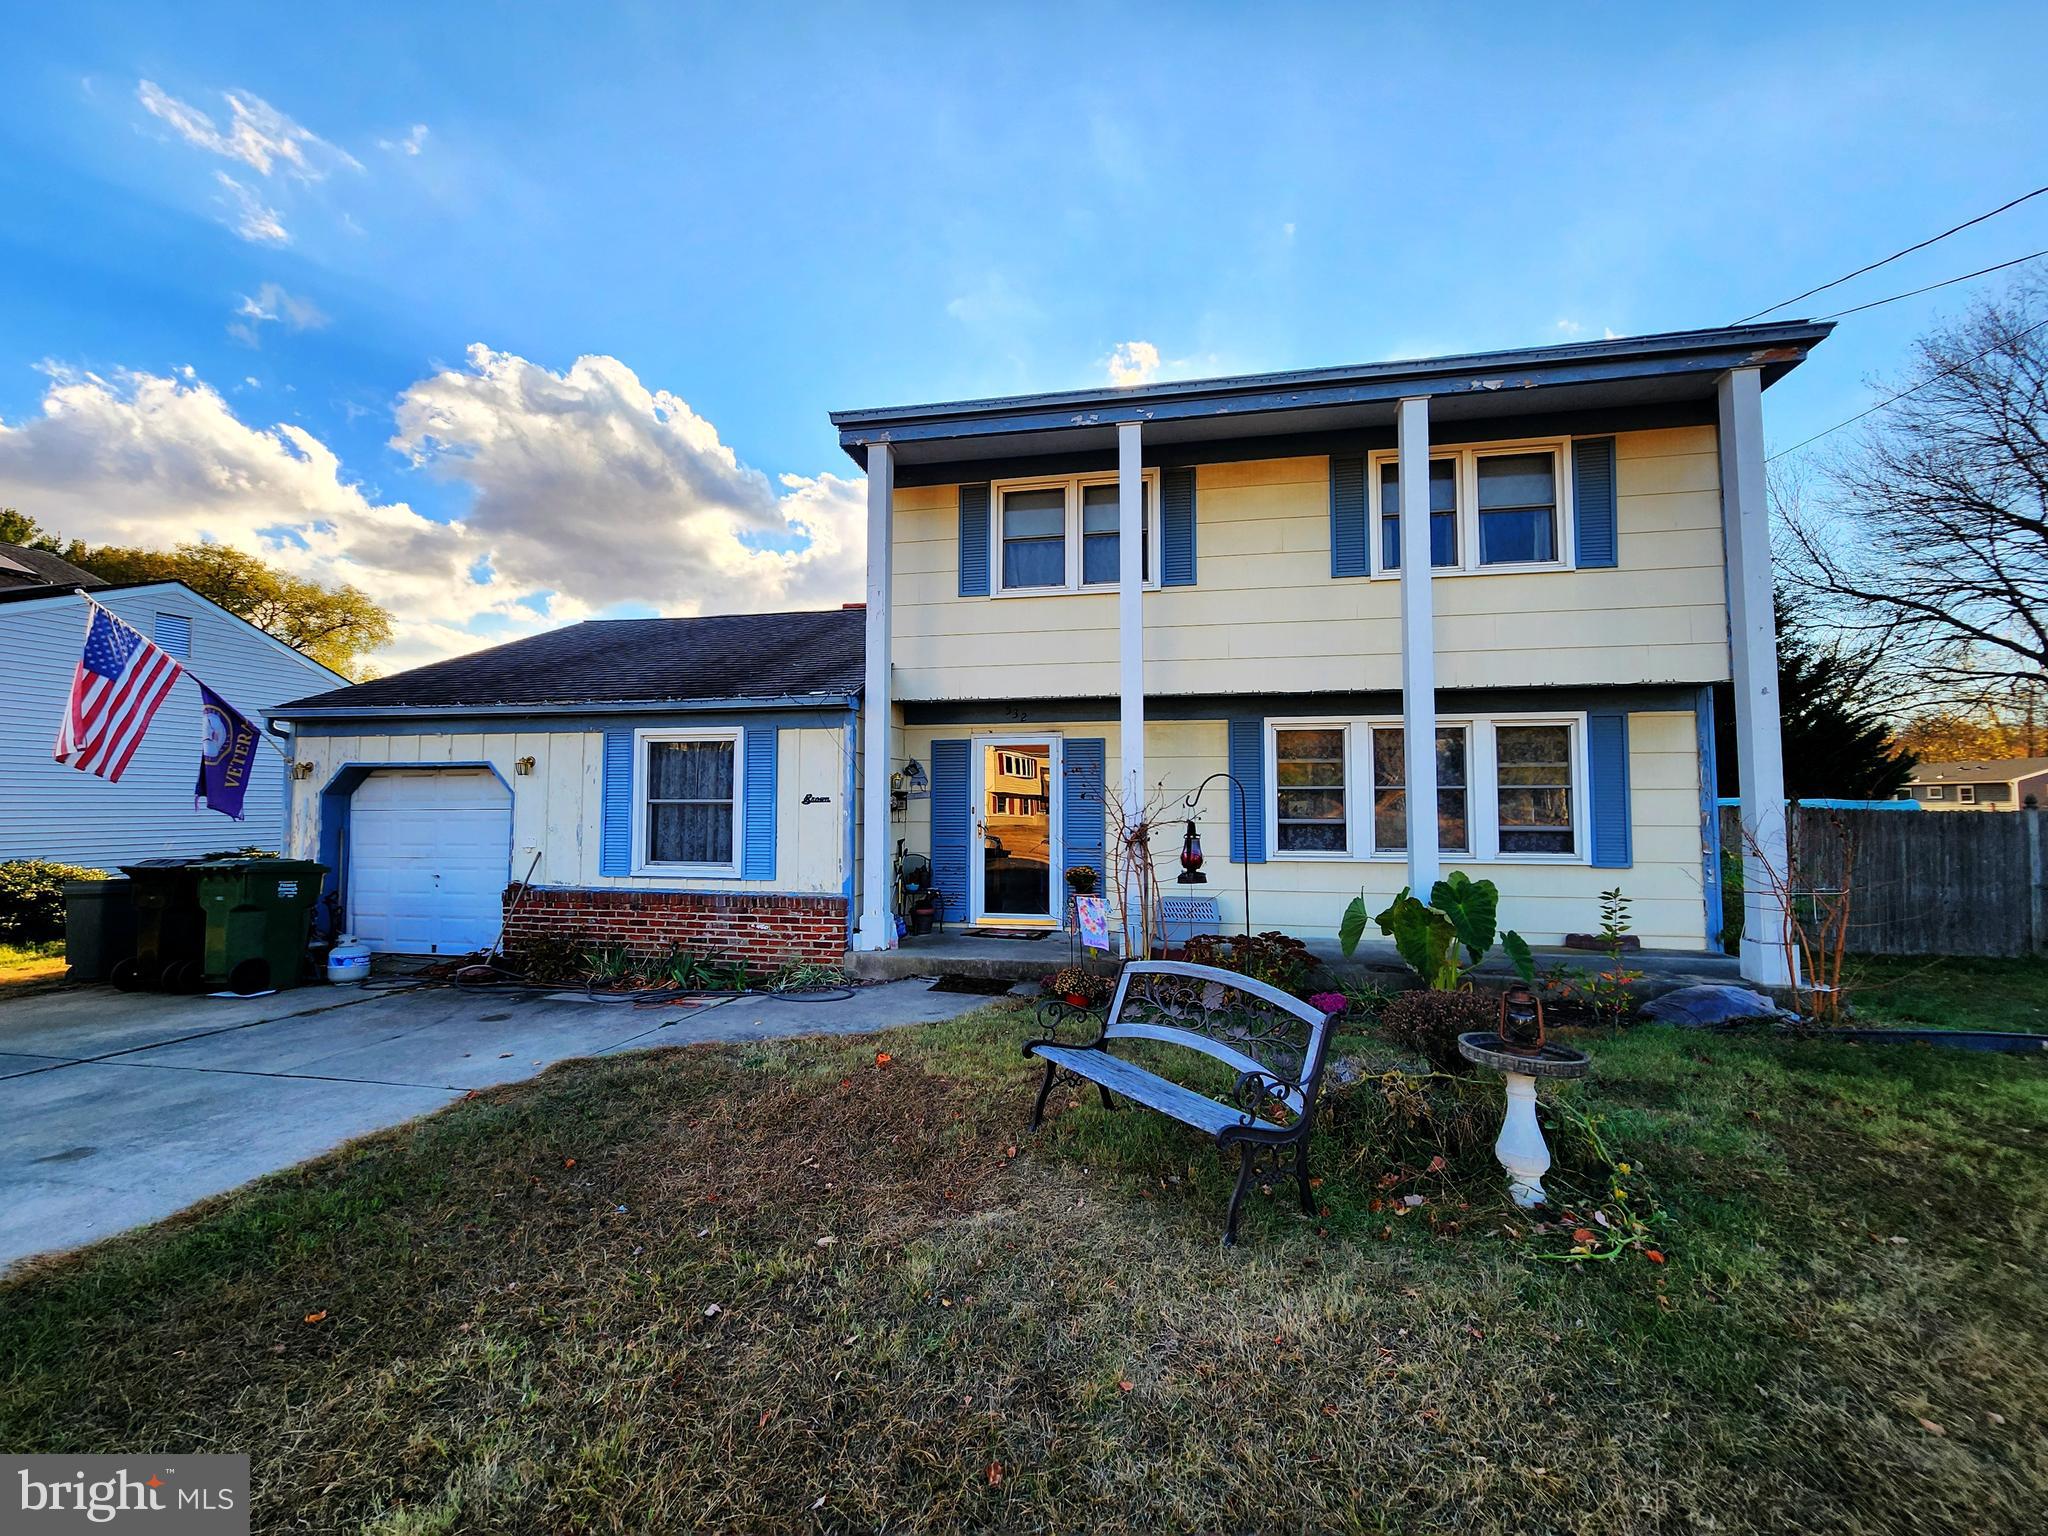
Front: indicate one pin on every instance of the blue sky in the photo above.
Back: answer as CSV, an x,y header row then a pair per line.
x,y
742,218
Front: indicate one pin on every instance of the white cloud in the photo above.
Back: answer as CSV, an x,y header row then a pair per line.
x,y
258,135
1132,362
249,216
585,485
271,305
589,482
413,142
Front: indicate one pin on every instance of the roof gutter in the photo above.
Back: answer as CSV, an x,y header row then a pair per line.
x,y
598,707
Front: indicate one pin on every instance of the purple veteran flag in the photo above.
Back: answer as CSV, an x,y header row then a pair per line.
x,y
227,755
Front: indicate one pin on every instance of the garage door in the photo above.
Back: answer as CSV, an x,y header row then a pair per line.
x,y
428,860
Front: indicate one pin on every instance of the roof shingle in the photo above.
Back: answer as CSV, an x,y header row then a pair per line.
x,y
633,661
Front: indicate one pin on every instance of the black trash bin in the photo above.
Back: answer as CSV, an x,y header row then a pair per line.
x,y
170,928
99,927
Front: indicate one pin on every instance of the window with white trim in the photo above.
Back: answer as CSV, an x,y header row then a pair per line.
x,y
1390,790
1310,767
689,802
1492,507
1533,779
1065,535
1509,787
1937,792
1967,793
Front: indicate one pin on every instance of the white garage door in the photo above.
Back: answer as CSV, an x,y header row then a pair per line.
x,y
428,859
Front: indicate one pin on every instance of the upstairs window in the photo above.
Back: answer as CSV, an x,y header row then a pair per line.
x,y
1517,509
1065,535
1034,538
1443,514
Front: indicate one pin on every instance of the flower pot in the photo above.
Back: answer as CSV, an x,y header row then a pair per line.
x,y
1076,1000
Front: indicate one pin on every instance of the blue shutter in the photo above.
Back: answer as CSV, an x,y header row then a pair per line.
x,y
1607,776
1248,766
1081,808
1593,502
1177,528
950,827
174,635
1348,554
1710,814
615,821
974,541
757,805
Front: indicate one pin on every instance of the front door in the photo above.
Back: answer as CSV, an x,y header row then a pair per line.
x,y
1016,830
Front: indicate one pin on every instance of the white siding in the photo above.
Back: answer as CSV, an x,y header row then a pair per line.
x,y
557,809
48,810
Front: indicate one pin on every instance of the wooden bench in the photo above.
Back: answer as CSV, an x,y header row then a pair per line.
x,y
1276,1043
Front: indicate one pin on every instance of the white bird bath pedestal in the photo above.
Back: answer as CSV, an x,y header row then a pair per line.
x,y
1520,1147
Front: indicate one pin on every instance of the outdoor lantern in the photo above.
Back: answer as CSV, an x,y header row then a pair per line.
x,y
1521,1018
1191,859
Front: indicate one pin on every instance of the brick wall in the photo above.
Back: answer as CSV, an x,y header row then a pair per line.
x,y
762,930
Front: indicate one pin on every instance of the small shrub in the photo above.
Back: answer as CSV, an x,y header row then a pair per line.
x,y
551,961
1429,1022
32,898
609,965
1278,959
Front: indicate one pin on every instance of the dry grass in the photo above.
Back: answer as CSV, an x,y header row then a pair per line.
x,y
784,1288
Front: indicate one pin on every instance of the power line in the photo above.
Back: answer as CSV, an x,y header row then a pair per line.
x,y
1944,283
1913,389
1895,255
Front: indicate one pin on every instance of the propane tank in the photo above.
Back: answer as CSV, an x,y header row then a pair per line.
x,y
348,963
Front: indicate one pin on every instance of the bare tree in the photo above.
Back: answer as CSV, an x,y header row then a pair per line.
x,y
1928,542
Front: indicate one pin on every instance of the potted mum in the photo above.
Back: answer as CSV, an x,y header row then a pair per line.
x,y
1081,879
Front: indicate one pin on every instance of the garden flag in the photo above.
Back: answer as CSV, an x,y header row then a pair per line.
x,y
115,692
227,755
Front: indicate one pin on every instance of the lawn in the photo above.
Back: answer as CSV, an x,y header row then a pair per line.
x,y
31,962
800,1286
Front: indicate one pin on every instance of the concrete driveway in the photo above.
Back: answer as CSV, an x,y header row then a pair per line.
x,y
118,1109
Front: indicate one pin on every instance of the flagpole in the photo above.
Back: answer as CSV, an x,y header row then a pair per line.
x,y
262,732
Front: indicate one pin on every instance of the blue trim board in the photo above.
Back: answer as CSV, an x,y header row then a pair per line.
x,y
1655,698
1710,813
849,742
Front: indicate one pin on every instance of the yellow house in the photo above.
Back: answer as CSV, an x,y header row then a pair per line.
x,y
1362,625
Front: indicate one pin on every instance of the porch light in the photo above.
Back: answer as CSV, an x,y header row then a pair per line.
x,y
1191,858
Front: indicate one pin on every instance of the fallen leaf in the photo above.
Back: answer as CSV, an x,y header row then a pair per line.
x,y
713,1310
1932,1428
827,1242
1653,1256
766,1415
995,1473
883,1058
316,1317
1329,1410
568,1162
1125,1386
1436,1164
1411,1201
1585,1235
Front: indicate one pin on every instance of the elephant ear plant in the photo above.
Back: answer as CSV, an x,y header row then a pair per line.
x,y
1461,914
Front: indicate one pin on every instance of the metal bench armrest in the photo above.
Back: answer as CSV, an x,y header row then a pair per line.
x,y
1056,1012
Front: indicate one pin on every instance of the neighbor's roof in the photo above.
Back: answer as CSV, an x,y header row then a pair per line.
x,y
1668,369
1993,772
26,569
743,657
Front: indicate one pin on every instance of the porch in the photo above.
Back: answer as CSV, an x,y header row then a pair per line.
x,y
1019,959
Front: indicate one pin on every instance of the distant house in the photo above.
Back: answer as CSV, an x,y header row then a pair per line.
x,y
2014,784
659,783
50,810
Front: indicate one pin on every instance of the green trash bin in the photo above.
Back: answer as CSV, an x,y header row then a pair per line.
x,y
257,912
170,929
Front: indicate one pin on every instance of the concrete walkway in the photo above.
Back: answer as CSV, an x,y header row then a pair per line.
x,y
117,1109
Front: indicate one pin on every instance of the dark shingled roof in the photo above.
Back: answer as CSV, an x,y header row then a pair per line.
x,y
21,569
632,661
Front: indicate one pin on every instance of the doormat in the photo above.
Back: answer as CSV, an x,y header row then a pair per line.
x,y
977,986
1006,933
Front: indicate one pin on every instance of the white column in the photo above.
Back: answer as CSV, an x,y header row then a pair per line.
x,y
877,928
1130,614
1753,650
1418,644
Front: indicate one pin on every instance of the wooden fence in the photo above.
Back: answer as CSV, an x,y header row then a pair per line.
x,y
1925,882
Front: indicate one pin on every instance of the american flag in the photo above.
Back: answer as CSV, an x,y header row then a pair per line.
x,y
120,681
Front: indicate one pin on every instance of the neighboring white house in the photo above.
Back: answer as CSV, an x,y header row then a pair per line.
x,y
51,811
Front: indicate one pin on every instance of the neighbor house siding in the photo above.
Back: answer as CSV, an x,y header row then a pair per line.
x,y
557,808
1266,615
49,810
1307,897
